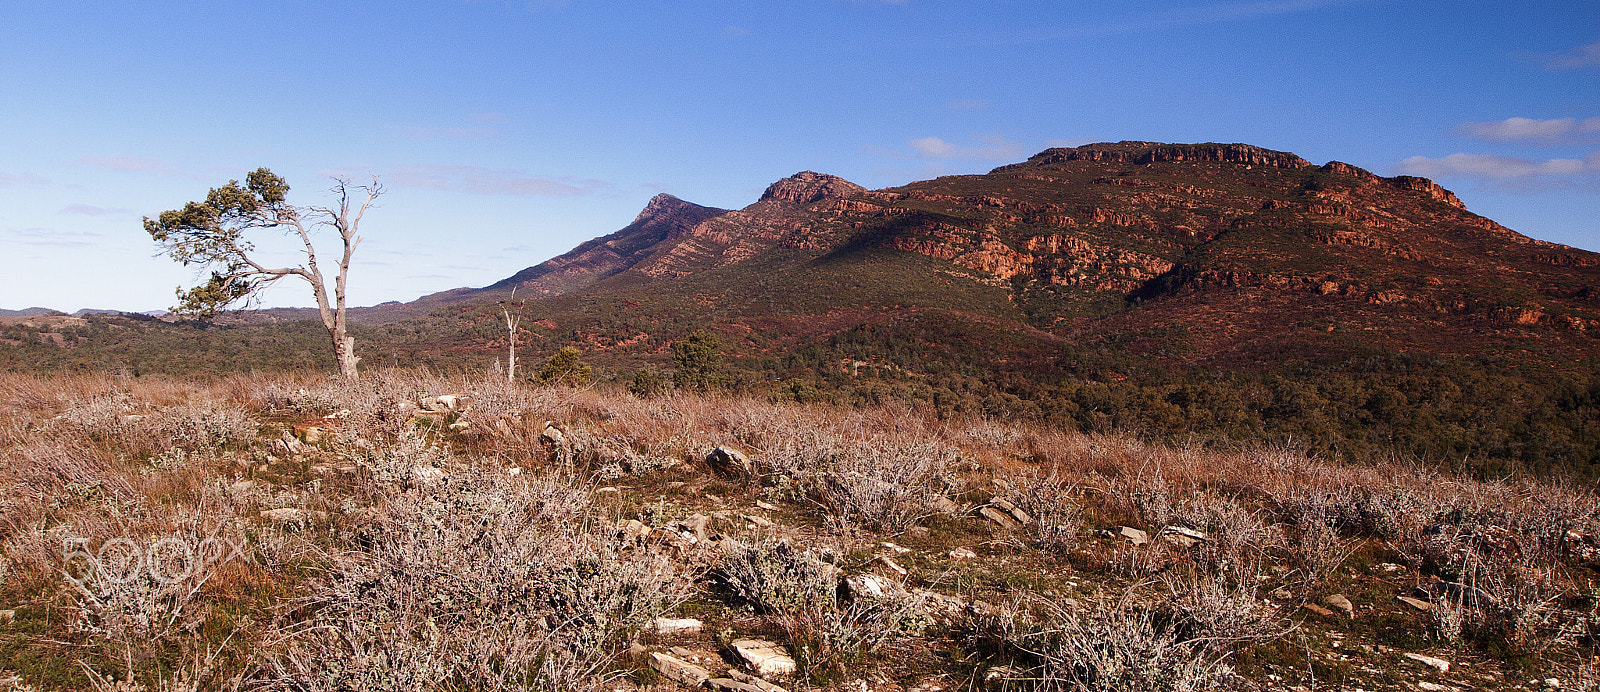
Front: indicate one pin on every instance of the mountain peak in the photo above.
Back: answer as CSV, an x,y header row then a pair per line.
x,y
1137,152
806,187
661,205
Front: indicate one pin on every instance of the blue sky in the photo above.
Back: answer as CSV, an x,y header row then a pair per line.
x,y
507,132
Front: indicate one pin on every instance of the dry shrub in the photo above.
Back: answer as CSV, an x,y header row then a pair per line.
x,y
480,581
799,594
1108,646
1058,520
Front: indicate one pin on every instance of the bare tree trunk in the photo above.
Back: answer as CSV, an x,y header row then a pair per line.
x,y
511,330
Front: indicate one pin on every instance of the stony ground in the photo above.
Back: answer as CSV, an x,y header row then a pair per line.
x,y
417,532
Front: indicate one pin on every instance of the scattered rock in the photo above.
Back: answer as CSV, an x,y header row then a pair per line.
x,y
460,426
998,516
426,475
679,670
1389,567
444,403
963,554
731,685
1439,663
871,587
1132,535
552,434
893,566
1339,602
766,506
730,462
289,444
1186,537
1416,603
763,657
1324,612
676,625
754,681
945,505
1016,512
897,549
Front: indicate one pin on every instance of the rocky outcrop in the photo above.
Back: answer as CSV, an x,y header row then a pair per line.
x,y
806,187
1429,188
1145,153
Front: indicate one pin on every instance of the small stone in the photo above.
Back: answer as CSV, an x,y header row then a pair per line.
x,y
871,587
1324,612
763,657
889,562
1441,664
766,506
897,549
676,625
945,505
731,685
679,670
759,521
241,487
1416,603
1016,512
963,554
1178,535
1433,687
514,471
8,616
1389,567
997,516
1133,535
754,681
1338,601
730,461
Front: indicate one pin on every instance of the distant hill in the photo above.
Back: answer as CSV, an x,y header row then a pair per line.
x,y
30,312
1209,291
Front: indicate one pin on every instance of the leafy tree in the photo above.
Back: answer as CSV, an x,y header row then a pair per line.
x,y
648,384
697,362
211,234
566,367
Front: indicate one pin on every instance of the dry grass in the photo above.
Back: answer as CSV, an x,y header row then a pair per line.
x,y
401,554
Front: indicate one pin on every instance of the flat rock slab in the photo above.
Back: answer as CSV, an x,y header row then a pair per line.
x,y
679,670
1441,664
676,625
731,685
764,657
999,517
1340,603
1132,535
753,681
1416,603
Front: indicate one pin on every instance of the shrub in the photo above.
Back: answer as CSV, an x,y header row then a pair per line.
x,y
566,367
697,362
648,384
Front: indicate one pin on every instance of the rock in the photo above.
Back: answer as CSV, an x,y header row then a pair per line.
x,y
763,657
460,425
633,528
759,521
552,434
945,505
426,475
897,549
676,625
963,554
1439,663
514,471
241,487
1433,687
1132,535
1016,512
754,681
729,461
338,415
1389,567
998,516
1324,612
1418,604
678,670
311,434
893,566
444,403
1178,535
871,587
289,444
766,506
1339,602
8,616
1004,674
731,685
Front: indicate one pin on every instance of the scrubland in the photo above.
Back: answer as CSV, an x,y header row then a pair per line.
x,y
303,533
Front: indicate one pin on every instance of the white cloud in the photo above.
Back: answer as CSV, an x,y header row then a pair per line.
x,y
1495,167
490,181
129,164
987,148
1587,55
1554,130
90,210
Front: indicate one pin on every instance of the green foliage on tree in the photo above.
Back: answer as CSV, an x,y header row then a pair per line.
x,y
648,384
566,367
697,362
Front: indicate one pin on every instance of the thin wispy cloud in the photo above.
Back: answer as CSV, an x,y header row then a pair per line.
x,y
47,237
1587,55
22,180
1508,172
91,210
987,148
1551,131
129,164
491,181
1213,13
